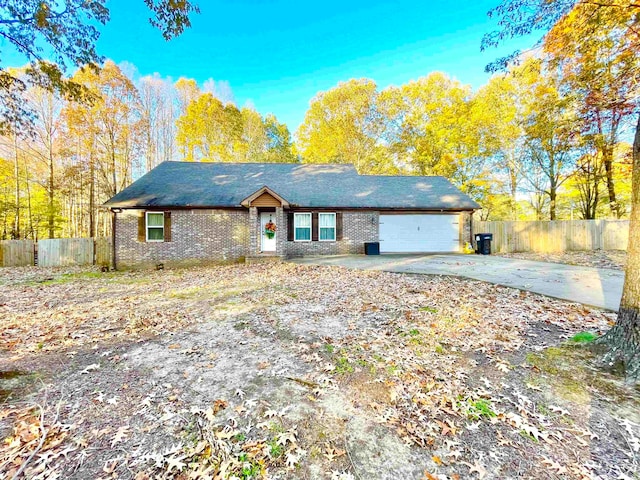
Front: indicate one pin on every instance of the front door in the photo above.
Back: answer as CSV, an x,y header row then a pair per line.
x,y
267,219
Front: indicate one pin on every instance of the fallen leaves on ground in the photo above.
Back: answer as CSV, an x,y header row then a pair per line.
x,y
457,372
613,259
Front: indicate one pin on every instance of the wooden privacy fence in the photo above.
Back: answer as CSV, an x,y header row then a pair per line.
x,y
59,252
556,236
103,250
16,253
56,252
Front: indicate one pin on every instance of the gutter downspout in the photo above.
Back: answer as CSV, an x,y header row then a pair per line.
x,y
113,238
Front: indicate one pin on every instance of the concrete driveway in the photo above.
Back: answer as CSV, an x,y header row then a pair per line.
x,y
596,287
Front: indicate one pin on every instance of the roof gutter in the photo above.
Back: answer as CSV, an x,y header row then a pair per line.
x,y
241,207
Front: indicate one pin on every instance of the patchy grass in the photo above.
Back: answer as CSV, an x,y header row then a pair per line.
x,y
343,366
303,372
68,277
572,375
583,337
14,382
428,309
478,409
193,293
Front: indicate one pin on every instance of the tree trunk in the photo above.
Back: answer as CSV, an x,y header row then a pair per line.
x,y
513,183
552,202
594,205
553,185
607,160
114,177
51,213
596,196
29,210
92,194
5,212
623,340
16,225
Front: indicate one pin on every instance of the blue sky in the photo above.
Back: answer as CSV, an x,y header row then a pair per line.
x,y
277,54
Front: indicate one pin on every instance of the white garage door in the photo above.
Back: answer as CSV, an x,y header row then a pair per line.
x,y
419,233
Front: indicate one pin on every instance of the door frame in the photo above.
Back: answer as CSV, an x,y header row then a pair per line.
x,y
442,230
263,237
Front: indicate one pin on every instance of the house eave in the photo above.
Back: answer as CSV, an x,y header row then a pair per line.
x,y
173,207
289,205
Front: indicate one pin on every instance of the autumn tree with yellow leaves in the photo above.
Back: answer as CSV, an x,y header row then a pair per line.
x,y
598,44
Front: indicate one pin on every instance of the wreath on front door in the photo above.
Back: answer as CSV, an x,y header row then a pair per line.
x,y
270,229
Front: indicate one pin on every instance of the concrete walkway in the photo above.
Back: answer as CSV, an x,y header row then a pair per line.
x,y
596,287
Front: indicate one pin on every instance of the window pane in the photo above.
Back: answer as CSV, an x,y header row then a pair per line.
x,y
302,220
303,233
327,233
156,233
155,219
327,220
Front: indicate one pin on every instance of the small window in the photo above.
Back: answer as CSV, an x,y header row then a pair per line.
x,y
302,227
327,224
155,227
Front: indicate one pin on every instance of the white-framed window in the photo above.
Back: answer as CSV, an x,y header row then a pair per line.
x,y
155,226
302,227
327,227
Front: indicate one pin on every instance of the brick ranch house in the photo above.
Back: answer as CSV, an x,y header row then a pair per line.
x,y
184,213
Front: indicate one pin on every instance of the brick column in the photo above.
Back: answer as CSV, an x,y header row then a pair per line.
x,y
281,235
254,240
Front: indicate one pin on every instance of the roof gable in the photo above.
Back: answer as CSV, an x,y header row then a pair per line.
x,y
265,197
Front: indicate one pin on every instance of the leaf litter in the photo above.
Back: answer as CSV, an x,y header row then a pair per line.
x,y
611,259
290,371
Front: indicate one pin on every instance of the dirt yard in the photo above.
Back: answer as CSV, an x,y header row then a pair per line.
x,y
614,259
301,372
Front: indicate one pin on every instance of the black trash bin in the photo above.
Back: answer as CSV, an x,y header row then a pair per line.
x,y
483,243
372,248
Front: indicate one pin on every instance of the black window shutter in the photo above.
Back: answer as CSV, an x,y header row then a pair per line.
x,y
290,226
314,226
167,226
142,227
338,225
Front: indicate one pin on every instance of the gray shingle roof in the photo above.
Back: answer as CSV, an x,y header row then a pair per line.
x,y
190,184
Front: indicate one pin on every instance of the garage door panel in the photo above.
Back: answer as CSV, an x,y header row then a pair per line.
x,y
419,233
